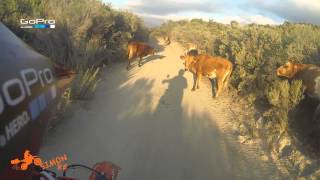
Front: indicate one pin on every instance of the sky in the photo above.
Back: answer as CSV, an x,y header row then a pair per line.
x,y
155,12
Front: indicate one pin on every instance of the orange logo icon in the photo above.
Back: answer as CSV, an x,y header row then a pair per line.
x,y
23,164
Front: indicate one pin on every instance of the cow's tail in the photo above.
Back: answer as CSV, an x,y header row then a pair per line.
x,y
227,78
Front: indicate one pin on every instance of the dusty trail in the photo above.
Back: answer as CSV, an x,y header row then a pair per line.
x,y
149,122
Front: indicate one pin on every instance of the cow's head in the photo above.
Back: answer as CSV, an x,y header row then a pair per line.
x,y
188,61
287,70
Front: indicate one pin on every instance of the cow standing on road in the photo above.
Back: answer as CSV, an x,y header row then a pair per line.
x,y
212,67
138,50
166,40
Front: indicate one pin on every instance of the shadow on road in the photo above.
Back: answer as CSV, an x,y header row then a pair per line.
x,y
151,58
174,141
156,44
174,93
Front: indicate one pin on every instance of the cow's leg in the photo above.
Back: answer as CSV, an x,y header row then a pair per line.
x,y
219,86
213,86
198,80
226,79
129,63
195,81
139,63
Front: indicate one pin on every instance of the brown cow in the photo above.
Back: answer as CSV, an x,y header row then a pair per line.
x,y
166,40
209,66
309,74
138,50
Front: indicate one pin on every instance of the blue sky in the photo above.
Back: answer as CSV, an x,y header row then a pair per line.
x,y
243,11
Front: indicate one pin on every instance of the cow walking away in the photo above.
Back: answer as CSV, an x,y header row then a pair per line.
x,y
166,40
212,67
309,74
138,50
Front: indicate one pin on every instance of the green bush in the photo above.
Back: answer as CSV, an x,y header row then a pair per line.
x,y
85,84
283,97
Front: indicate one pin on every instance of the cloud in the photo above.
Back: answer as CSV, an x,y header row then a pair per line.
x,y
155,12
154,20
292,10
243,11
248,19
165,7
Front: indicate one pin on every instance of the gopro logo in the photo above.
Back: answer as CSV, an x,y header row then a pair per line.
x,y
37,23
22,86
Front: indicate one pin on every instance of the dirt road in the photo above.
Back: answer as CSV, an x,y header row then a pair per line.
x,y
149,122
